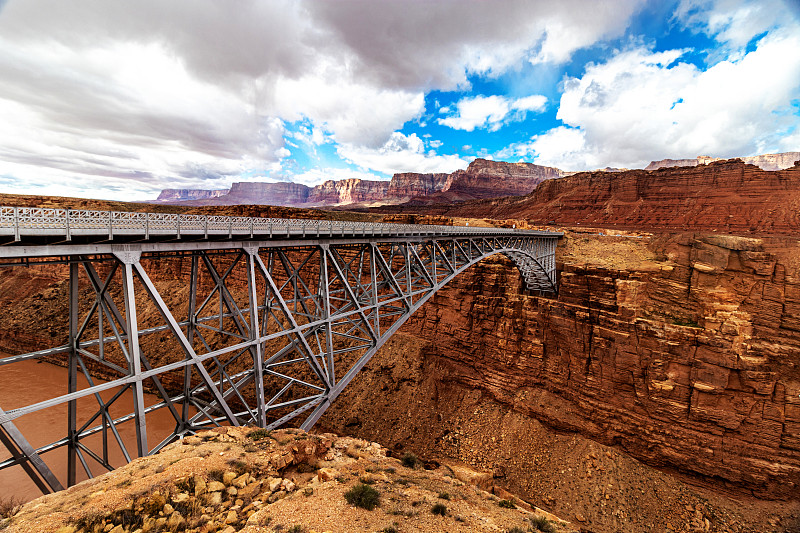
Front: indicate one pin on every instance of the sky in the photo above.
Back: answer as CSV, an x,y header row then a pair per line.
x,y
118,99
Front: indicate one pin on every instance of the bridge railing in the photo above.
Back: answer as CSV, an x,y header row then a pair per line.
x,y
39,221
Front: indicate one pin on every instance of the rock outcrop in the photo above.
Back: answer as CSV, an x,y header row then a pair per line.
x,y
405,186
482,179
691,362
726,196
491,179
764,162
182,195
348,191
253,481
280,193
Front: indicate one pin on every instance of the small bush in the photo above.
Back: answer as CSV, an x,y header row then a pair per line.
x,y
259,434
8,505
506,504
542,524
444,496
409,460
390,529
297,528
439,509
363,496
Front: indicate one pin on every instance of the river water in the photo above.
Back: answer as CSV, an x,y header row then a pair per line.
x,y
28,382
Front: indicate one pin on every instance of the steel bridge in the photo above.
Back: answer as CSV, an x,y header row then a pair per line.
x,y
218,320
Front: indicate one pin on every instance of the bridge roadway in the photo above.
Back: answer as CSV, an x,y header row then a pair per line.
x,y
250,320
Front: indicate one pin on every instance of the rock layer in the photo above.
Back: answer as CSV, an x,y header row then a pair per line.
x,y
691,363
348,191
764,162
181,195
727,196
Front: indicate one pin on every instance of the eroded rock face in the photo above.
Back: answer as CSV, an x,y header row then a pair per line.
x,y
406,185
180,195
726,196
280,193
490,179
691,364
348,191
764,162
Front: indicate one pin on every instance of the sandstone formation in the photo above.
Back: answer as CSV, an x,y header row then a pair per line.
x,y
180,195
725,196
482,179
348,191
405,186
764,162
279,193
250,480
490,179
687,358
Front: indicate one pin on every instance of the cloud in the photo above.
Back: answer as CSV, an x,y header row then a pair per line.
x,y
733,23
491,112
193,93
642,105
401,153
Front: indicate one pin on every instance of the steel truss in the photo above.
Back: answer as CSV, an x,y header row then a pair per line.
x,y
263,333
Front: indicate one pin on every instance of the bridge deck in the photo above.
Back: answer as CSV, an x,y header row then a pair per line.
x,y
34,227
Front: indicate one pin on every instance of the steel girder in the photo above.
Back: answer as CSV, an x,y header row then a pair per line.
x,y
247,335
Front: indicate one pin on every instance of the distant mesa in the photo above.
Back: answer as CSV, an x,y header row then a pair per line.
x,y
483,179
764,162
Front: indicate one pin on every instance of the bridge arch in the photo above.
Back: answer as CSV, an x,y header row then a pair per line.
x,y
271,326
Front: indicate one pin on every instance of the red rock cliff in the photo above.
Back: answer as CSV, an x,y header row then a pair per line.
x,y
409,184
490,179
691,363
280,193
348,191
727,196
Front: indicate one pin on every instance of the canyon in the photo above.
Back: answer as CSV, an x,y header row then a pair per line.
x,y
659,390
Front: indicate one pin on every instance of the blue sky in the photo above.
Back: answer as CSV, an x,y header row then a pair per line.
x,y
118,99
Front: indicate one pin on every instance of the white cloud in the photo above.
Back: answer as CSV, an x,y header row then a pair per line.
x,y
642,105
733,22
191,93
491,112
401,153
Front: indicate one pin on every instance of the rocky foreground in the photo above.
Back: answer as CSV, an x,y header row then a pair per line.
x,y
252,480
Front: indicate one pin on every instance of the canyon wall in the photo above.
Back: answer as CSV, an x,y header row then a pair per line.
x,y
410,184
688,360
490,179
726,196
482,179
180,195
764,162
348,191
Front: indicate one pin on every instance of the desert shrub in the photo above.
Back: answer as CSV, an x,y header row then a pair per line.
x,y
363,496
542,524
297,528
506,504
8,505
409,460
389,529
259,434
439,509
444,495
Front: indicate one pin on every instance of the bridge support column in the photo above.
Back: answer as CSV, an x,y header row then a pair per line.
x,y
128,259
